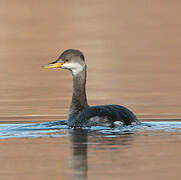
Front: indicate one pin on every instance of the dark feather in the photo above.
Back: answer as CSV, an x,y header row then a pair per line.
x,y
111,112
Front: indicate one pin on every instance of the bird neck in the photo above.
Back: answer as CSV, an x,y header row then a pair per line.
x,y
79,98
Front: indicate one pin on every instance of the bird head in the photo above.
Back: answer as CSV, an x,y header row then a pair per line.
x,y
70,59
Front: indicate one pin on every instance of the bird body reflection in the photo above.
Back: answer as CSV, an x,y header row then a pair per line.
x,y
78,140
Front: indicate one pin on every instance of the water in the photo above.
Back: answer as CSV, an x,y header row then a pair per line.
x,y
52,151
60,129
132,50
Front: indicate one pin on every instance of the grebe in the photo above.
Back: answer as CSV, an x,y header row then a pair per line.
x,y
80,114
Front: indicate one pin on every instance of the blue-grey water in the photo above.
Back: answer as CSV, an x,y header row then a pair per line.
x,y
60,129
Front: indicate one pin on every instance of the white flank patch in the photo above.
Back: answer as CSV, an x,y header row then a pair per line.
x,y
75,67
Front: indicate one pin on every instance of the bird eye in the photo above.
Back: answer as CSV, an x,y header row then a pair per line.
x,y
66,60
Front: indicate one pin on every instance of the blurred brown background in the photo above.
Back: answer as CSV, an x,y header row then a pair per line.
x,y
132,50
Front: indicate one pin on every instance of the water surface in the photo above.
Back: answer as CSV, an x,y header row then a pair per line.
x,y
51,150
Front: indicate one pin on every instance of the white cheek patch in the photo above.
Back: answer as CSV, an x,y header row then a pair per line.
x,y
76,68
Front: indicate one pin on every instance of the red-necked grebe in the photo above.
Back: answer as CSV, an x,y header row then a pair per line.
x,y
80,113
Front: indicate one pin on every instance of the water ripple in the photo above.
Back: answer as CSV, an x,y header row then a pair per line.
x,y
60,129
